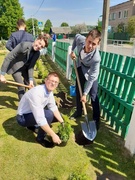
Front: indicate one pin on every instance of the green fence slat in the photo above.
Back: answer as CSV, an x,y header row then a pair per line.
x,y
126,65
61,54
131,94
131,70
115,61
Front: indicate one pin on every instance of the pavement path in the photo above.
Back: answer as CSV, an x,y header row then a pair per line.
x,y
124,49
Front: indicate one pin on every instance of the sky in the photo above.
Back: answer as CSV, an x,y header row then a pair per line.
x,y
70,11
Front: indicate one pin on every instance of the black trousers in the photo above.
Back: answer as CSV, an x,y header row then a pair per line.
x,y
27,120
93,95
21,76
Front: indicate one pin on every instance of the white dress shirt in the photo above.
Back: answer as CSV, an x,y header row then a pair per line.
x,y
34,101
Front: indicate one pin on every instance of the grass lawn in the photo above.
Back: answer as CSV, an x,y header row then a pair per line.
x,y
21,158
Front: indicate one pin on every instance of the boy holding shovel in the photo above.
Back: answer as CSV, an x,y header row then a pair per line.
x,y
88,63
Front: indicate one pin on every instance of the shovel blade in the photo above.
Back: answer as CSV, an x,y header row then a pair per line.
x,y
91,132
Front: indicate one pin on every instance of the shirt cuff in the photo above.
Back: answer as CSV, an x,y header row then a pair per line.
x,y
2,73
30,79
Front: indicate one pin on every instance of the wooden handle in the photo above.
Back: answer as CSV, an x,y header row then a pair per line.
x,y
17,84
80,89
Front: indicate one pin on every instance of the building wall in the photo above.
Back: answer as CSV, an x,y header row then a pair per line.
x,y
121,13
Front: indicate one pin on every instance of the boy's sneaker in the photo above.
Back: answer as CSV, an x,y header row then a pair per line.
x,y
33,128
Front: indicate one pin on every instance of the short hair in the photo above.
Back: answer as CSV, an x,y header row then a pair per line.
x,y
53,74
95,33
44,38
21,22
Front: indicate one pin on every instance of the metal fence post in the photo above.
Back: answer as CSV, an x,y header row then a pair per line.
x,y
133,50
53,51
69,64
130,141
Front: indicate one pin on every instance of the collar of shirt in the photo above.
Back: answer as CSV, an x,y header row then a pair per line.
x,y
46,91
83,54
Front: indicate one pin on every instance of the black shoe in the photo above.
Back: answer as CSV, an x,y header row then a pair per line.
x,y
45,143
33,129
75,115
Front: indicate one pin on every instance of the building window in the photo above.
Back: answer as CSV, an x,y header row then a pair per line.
x,y
125,15
120,15
113,16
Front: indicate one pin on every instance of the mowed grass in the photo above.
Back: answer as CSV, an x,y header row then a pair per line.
x,y
21,158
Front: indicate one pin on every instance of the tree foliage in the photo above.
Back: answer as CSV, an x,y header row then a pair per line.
x,y
10,12
131,26
120,27
99,26
47,26
64,24
79,28
32,26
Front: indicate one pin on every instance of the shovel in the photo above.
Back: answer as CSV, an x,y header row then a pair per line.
x,y
17,84
88,127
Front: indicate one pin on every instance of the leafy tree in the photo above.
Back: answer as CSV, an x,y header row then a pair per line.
x,y
47,26
10,12
131,26
99,23
79,28
32,26
120,27
90,27
99,26
64,24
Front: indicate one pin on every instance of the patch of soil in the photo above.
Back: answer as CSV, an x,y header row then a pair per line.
x,y
63,101
81,140
111,176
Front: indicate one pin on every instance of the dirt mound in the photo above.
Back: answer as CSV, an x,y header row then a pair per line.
x,y
63,100
81,140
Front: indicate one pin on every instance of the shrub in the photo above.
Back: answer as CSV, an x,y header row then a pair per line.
x,y
64,131
2,44
77,176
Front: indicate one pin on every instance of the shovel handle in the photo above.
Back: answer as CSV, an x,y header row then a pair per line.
x,y
17,84
79,86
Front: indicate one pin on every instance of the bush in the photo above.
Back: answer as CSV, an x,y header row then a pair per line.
x,y
64,131
41,69
2,44
77,176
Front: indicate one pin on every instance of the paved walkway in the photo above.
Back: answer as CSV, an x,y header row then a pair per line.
x,y
124,49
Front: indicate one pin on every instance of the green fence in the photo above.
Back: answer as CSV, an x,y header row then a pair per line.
x,y
117,90
49,48
61,50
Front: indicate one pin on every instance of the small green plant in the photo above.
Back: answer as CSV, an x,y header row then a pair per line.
x,y
2,44
64,131
40,72
39,64
77,176
41,69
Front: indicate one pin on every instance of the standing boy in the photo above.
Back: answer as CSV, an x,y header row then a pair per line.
x,y
19,36
88,63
